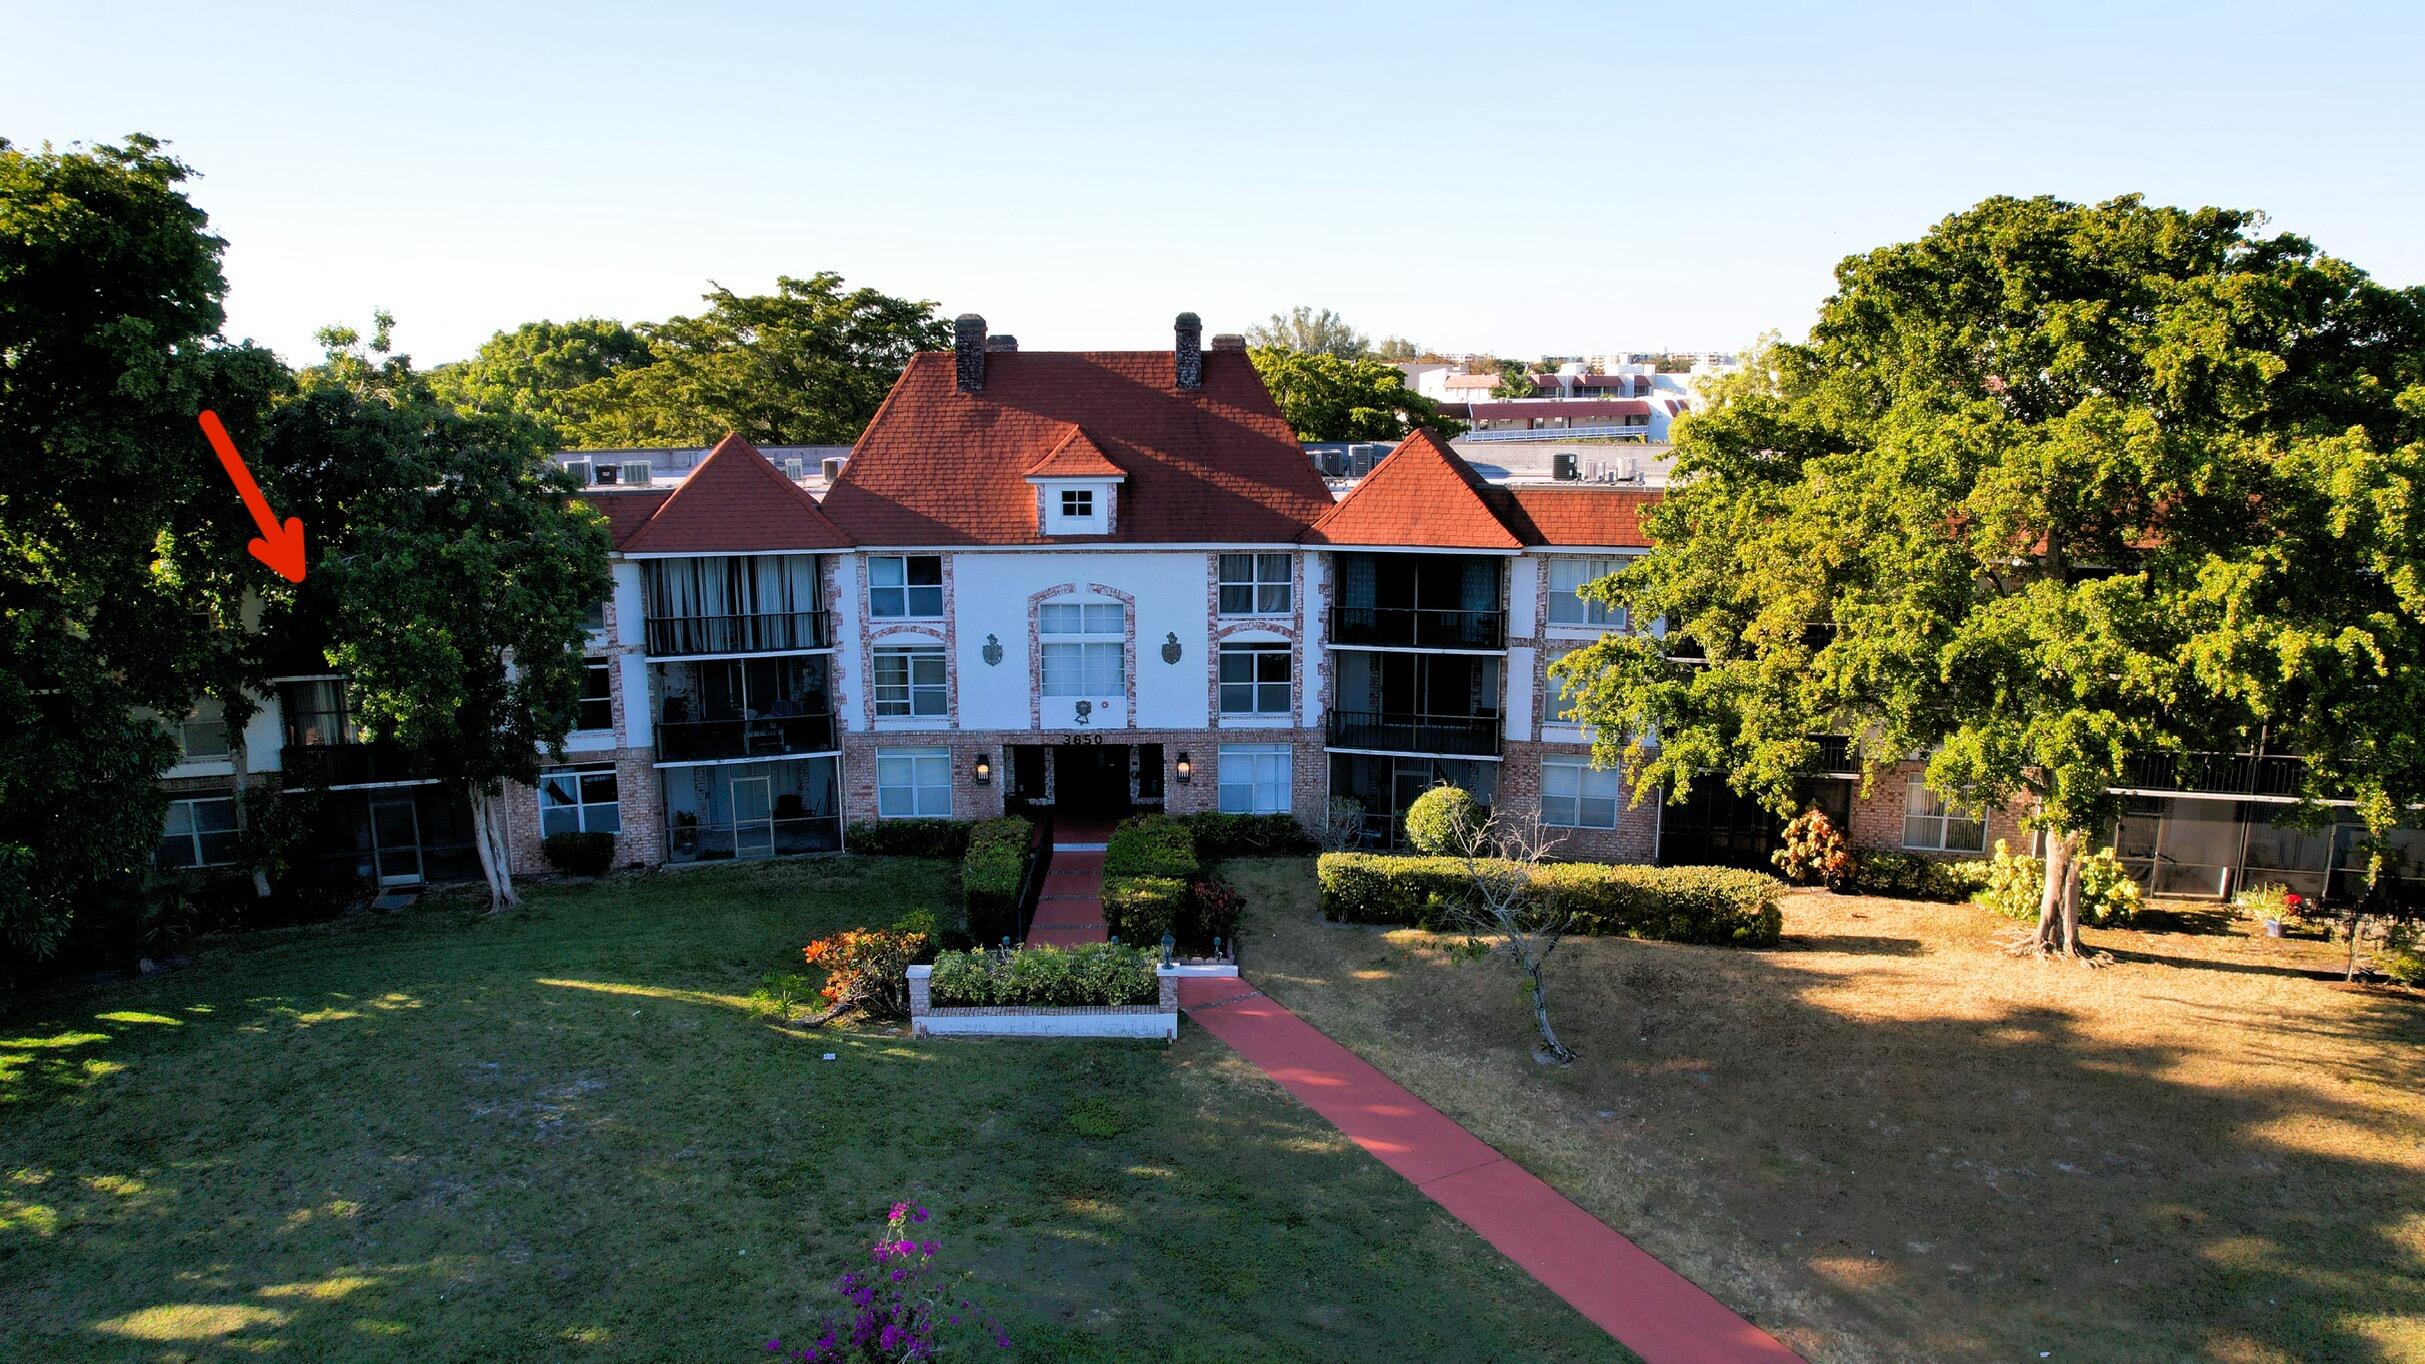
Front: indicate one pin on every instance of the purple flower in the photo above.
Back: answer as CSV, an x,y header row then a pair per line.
x,y
774,1347
917,1215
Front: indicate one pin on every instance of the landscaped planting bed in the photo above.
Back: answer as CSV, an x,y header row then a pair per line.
x,y
1675,904
1092,990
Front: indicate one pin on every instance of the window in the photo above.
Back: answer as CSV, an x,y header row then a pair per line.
x,y
597,697
1254,779
1577,795
316,713
578,800
1085,658
1254,584
199,833
905,586
909,680
203,735
913,782
1078,504
596,619
1254,679
1932,826
1567,577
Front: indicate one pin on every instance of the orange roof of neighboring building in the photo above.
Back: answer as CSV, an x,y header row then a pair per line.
x,y
735,502
1471,381
1074,456
1420,494
1210,464
1508,408
1598,517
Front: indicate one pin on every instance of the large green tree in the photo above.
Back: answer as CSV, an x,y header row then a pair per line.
x,y
1318,330
543,370
122,568
805,365
1324,397
457,574
2054,486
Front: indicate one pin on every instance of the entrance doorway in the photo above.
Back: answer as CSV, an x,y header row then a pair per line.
x,y
753,817
1091,779
395,832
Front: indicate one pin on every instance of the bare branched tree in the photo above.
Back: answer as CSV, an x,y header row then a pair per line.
x,y
1342,825
1510,910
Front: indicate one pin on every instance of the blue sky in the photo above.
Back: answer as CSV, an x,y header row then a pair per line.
x,y
1542,179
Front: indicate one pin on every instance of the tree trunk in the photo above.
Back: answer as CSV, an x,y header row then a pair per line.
x,y
2071,898
1540,1016
2058,921
241,782
488,840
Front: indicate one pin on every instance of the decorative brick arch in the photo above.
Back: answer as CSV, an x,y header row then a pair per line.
x,y
1035,646
937,631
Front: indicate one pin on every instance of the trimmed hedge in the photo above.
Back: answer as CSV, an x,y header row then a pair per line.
x,y
1672,904
1138,910
1097,974
1910,876
909,838
990,873
1151,845
1219,835
579,854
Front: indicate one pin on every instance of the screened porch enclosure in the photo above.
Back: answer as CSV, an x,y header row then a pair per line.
x,y
1438,601
2217,848
744,707
1386,786
733,811
735,604
1416,703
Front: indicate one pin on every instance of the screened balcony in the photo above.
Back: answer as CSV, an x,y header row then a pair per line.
x,y
721,709
1416,703
735,604
1418,601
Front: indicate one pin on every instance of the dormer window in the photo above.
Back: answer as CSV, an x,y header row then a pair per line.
x,y
1077,504
1075,507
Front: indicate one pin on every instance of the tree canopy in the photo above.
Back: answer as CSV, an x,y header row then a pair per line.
x,y
543,370
2053,487
1324,397
1316,330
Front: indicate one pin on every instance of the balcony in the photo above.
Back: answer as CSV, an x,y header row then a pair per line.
x,y
774,736
764,632
1474,736
1416,627
2237,774
351,764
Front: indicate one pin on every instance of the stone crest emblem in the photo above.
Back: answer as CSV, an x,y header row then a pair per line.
x,y
1170,647
992,651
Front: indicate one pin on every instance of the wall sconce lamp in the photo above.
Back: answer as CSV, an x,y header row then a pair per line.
x,y
1187,769
985,770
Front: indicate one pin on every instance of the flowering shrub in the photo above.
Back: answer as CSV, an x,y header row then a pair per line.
x,y
1814,851
1096,974
2268,900
2108,897
893,1313
866,969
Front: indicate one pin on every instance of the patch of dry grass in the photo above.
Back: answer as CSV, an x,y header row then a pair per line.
x,y
1890,1140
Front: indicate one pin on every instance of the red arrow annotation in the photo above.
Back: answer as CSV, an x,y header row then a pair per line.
x,y
279,546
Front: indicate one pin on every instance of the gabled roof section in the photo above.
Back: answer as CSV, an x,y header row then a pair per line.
x,y
1215,463
1074,456
626,513
736,502
1601,518
1422,493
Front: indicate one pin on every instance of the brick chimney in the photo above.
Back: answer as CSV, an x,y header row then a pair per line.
x,y
1005,341
968,351
1228,341
1188,352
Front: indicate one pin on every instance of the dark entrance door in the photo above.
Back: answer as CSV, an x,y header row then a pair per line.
x,y
1091,779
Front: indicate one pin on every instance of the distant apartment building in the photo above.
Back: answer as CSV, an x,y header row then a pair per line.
x,y
1107,581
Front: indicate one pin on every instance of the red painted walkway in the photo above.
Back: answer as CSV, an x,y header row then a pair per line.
x,y
1657,1313
1069,910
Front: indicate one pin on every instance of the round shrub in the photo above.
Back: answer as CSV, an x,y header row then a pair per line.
x,y
579,854
1442,816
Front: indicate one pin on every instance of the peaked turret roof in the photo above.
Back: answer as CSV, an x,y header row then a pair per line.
x,y
1074,456
1420,495
736,502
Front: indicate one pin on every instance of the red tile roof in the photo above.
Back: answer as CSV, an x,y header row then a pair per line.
x,y
1576,516
1074,456
1421,494
627,512
1562,407
1212,464
735,502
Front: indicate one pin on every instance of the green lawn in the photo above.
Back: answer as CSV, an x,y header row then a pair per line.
x,y
562,1133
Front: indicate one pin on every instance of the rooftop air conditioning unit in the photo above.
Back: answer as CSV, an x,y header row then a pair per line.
x,y
833,467
1334,462
795,469
1629,469
579,469
637,472
602,474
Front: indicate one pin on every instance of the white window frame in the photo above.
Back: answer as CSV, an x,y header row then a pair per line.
x,y
193,833
1267,595
1077,663
1928,822
1260,690
596,665
1254,779
1568,607
903,606
208,716
904,696
1590,790
1077,504
592,813
913,783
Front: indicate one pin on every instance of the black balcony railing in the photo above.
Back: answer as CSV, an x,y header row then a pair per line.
x,y
764,632
2238,774
1385,733
356,764
770,737
1418,627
